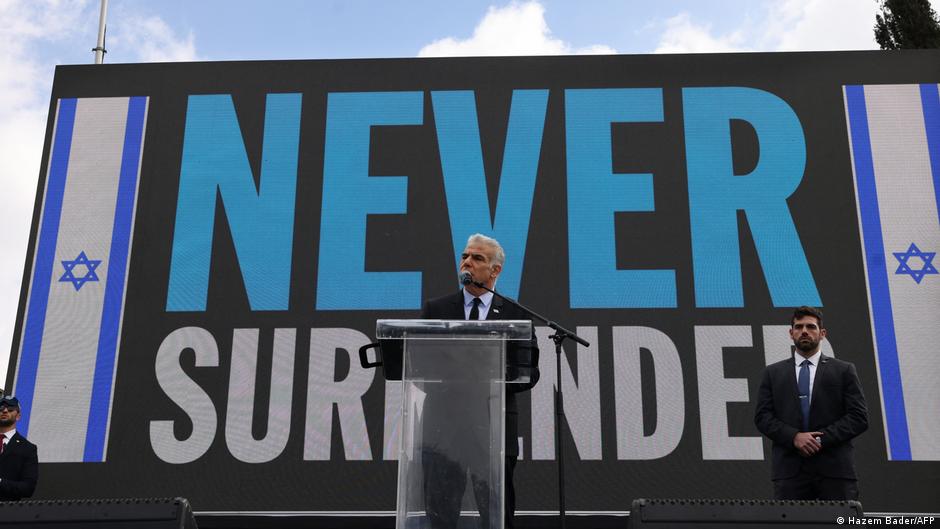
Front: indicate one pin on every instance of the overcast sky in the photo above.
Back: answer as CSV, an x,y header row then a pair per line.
x,y
39,34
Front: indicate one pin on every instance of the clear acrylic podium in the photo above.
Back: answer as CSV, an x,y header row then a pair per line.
x,y
451,459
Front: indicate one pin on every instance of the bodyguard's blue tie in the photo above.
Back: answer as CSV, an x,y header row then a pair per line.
x,y
802,383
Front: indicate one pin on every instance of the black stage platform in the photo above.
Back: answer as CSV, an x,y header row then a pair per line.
x,y
300,521
544,521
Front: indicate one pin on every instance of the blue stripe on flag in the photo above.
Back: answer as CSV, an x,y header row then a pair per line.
x,y
44,261
99,410
882,314
930,99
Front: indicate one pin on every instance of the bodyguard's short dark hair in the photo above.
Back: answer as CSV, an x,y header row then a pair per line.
x,y
804,311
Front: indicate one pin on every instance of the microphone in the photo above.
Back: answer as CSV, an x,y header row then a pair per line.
x,y
465,278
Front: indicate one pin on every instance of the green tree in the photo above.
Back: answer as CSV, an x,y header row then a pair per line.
x,y
907,24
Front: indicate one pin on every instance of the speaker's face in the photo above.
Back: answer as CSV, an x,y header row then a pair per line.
x,y
477,259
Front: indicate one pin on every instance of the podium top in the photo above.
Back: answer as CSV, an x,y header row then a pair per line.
x,y
453,329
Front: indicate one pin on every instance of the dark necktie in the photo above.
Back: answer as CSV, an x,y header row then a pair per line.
x,y
803,385
475,311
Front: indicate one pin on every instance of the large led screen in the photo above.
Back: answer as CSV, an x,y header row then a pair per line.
x,y
213,242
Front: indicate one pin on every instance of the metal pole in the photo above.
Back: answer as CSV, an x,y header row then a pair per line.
x,y
560,422
99,49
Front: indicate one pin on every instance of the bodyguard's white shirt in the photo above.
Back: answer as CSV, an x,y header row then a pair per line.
x,y
813,363
486,301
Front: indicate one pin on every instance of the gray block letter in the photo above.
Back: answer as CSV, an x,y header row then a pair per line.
x,y
183,391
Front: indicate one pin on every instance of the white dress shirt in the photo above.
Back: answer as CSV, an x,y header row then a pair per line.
x,y
486,300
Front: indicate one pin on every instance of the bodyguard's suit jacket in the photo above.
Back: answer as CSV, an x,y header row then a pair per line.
x,y
19,469
451,307
837,409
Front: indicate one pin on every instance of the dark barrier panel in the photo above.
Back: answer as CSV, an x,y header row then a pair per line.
x,y
213,242
127,513
741,514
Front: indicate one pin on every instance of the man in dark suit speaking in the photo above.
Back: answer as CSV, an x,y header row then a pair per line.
x,y
483,259
19,463
811,406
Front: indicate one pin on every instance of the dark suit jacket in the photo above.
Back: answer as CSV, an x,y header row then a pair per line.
x,y
19,469
837,409
451,307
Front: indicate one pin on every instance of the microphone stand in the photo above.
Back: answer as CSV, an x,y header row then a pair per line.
x,y
560,335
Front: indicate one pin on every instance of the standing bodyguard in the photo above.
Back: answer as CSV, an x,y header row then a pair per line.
x,y
811,407
19,463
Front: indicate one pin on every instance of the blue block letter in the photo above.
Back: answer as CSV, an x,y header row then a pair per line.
x,y
261,219
458,135
349,194
716,194
595,193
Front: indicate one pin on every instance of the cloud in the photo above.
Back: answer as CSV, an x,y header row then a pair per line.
x,y
24,24
150,39
785,25
516,29
682,35
805,25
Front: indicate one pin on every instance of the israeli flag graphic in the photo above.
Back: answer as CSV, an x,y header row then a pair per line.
x,y
71,331
894,132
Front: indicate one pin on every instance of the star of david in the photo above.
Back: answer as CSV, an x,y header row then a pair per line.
x,y
904,266
70,272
